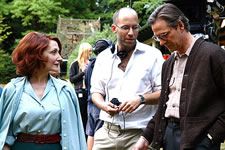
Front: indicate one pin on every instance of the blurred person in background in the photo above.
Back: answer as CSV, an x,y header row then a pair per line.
x,y
93,122
0,91
76,76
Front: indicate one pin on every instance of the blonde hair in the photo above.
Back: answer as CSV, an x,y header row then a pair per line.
x,y
83,53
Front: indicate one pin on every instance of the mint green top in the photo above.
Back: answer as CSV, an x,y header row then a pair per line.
x,y
62,96
38,116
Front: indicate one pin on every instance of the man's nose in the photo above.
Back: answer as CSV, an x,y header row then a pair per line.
x,y
131,31
162,42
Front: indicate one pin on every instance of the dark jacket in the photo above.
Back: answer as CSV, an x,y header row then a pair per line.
x,y
88,74
202,101
0,91
76,75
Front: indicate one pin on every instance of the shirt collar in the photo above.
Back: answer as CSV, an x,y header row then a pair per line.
x,y
188,51
137,47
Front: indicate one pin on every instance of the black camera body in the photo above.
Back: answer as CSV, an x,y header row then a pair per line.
x,y
115,101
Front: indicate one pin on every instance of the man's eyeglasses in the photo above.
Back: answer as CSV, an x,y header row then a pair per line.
x,y
162,36
127,28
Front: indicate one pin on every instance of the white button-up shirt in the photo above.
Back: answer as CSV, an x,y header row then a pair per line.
x,y
142,75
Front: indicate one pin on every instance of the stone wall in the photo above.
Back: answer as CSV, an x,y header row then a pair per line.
x,y
70,31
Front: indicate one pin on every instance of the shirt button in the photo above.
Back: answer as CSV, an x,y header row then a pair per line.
x,y
64,135
64,147
64,121
39,131
40,118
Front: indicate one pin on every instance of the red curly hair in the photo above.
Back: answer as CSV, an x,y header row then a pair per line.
x,y
28,55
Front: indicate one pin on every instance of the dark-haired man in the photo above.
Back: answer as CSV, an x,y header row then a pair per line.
x,y
191,112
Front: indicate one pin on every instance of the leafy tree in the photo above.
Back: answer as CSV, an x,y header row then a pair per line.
x,y
4,30
81,9
7,69
23,16
38,13
4,7
106,8
144,8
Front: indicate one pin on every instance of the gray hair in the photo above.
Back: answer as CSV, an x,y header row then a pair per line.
x,y
171,14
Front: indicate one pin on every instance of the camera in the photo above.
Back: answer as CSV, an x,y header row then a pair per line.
x,y
115,101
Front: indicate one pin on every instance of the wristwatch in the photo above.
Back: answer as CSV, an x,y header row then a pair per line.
x,y
142,100
209,136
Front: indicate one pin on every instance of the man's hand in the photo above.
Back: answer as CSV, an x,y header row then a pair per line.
x,y
130,105
106,106
111,109
142,144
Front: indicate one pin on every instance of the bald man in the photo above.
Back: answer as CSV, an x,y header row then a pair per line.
x,y
125,85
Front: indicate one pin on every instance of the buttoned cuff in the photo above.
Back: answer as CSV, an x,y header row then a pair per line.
x,y
10,140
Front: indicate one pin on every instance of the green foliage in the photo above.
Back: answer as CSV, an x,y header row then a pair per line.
x,y
34,12
144,8
7,69
80,9
4,7
4,33
106,8
106,33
